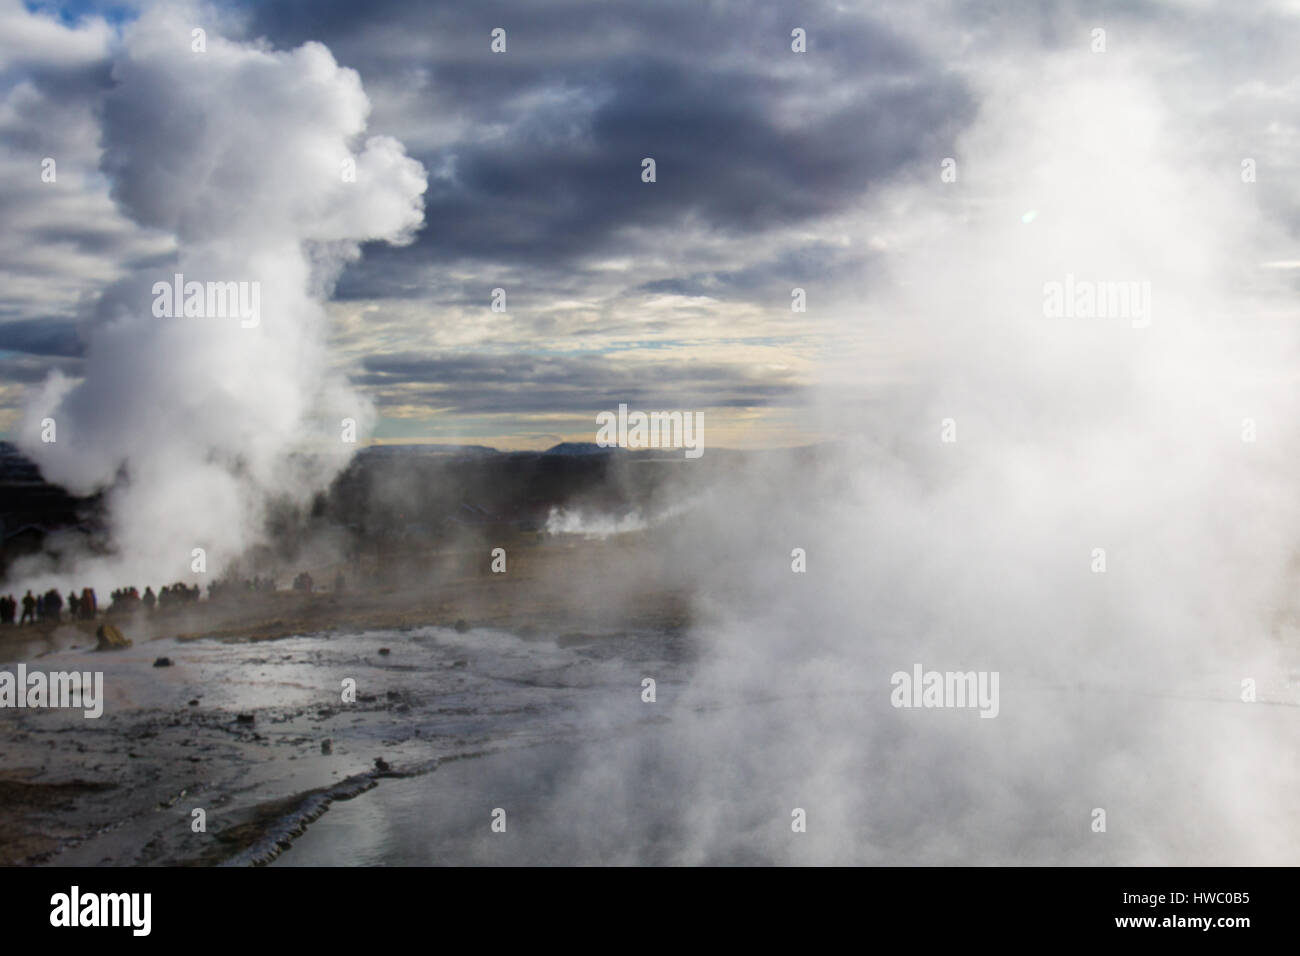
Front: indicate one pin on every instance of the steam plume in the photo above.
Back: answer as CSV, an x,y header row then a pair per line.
x,y
238,151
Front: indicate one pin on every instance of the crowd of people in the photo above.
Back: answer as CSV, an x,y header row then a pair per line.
x,y
130,599
48,607
83,606
226,588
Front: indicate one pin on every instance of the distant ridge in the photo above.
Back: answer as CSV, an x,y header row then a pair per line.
x,y
579,448
425,450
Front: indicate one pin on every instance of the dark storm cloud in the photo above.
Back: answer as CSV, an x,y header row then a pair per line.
x,y
748,137
523,383
718,158
46,336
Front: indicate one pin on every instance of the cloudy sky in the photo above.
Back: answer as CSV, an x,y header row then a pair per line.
x,y
775,170
1121,142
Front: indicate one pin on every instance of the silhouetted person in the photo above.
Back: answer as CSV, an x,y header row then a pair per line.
x,y
29,608
149,599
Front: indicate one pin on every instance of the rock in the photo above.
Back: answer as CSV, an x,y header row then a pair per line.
x,y
110,638
163,662
194,703
245,718
326,746
383,652
461,626
381,764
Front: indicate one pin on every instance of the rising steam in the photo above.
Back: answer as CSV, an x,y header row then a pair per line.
x,y
191,424
1122,689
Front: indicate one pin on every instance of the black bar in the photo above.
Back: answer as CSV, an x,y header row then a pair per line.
x,y
351,906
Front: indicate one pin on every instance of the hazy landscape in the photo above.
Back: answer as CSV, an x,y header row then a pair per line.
x,y
649,434
522,690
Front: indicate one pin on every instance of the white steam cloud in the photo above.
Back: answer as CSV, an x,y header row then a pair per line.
x,y
1120,691
239,152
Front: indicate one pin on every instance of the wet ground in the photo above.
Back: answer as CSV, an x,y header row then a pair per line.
x,y
237,730
545,733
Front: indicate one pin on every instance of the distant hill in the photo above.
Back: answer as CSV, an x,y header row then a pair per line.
x,y
390,494
579,448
